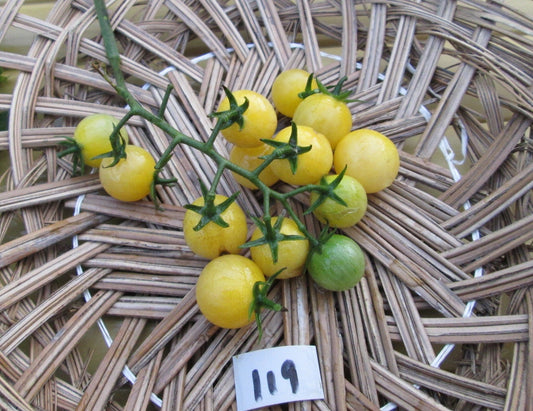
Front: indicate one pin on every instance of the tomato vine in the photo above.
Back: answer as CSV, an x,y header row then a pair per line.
x,y
234,115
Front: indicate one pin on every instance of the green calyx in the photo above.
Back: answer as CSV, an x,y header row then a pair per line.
x,y
271,235
209,211
233,115
72,147
261,301
333,91
323,237
290,150
327,190
118,147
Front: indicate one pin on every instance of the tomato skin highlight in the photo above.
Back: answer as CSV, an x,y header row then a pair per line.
x,y
212,240
260,119
131,178
370,157
224,290
339,265
92,136
326,115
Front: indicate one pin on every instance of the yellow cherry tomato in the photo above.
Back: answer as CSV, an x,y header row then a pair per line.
x,y
291,253
310,165
213,240
224,290
260,119
325,114
249,159
336,214
370,157
131,178
286,87
92,135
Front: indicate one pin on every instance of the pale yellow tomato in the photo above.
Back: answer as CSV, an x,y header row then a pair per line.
x,y
224,291
92,136
325,114
310,165
291,253
336,214
249,158
260,119
131,178
286,87
213,240
370,157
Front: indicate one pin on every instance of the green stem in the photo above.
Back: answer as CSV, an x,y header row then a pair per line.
x,y
218,175
110,43
164,102
301,226
214,134
266,162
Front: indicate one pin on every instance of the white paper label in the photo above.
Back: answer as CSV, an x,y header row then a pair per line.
x,y
277,375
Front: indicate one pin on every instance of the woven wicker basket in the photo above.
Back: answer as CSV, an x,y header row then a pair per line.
x,y
97,299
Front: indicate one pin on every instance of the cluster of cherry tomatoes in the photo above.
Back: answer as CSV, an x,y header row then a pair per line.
x,y
363,161
351,163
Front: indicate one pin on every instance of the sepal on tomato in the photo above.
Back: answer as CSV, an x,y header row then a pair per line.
x,y
334,91
118,145
323,237
272,235
260,301
290,150
327,191
229,117
209,210
72,147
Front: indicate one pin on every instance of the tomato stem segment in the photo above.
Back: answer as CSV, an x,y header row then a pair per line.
x,y
164,102
261,301
72,147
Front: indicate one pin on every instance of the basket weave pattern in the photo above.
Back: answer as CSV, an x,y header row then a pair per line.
x,y
449,264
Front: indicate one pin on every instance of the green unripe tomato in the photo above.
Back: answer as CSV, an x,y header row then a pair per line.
x,y
339,264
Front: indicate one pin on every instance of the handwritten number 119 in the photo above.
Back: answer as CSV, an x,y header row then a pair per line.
x,y
288,372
